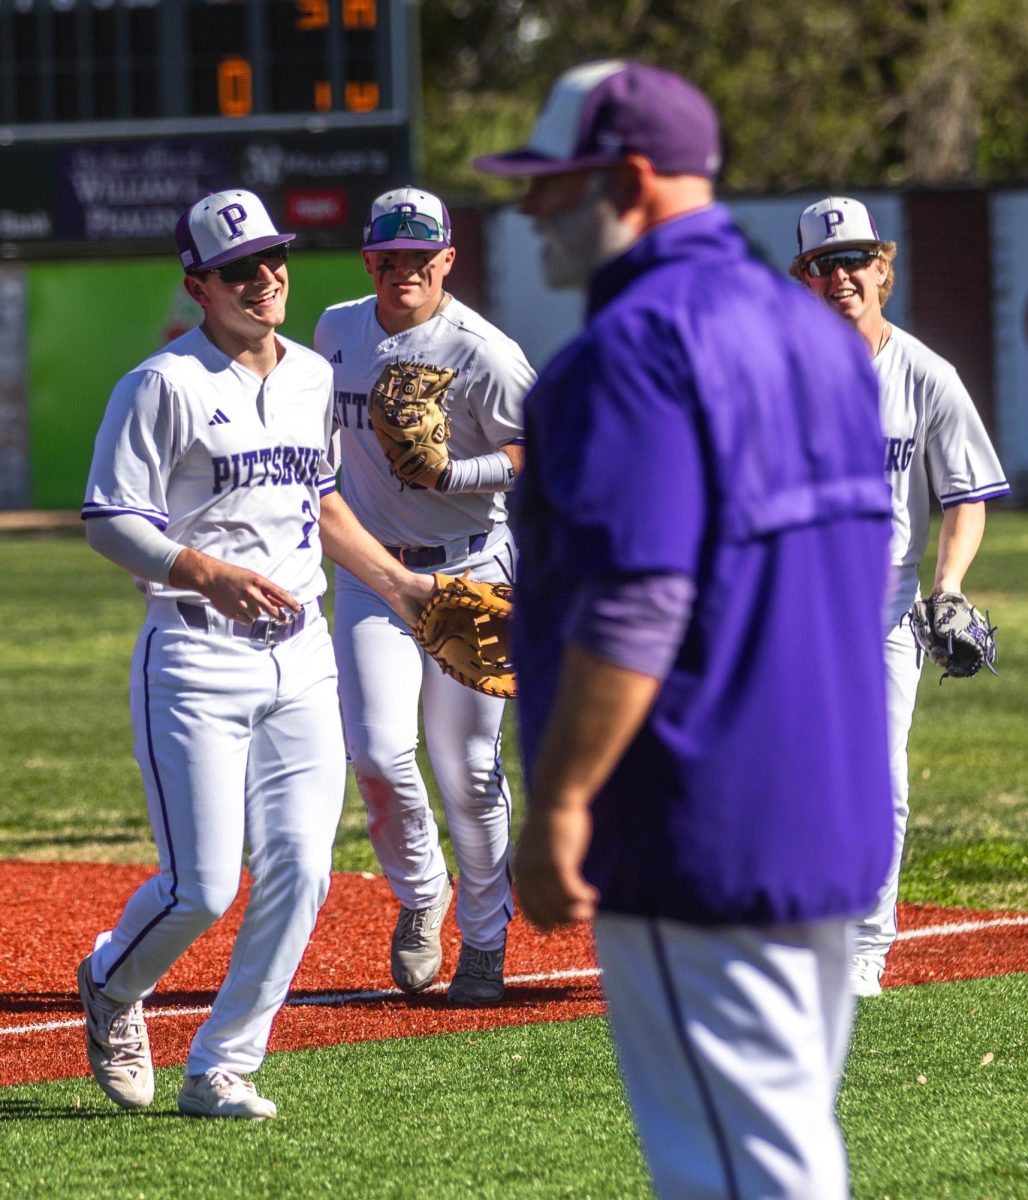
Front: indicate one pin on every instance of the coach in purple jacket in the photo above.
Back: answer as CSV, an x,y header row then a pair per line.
x,y
703,527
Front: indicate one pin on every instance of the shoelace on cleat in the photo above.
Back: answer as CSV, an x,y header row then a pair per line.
x,y
223,1083
483,964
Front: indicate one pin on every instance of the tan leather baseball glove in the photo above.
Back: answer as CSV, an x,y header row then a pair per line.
x,y
466,629
408,414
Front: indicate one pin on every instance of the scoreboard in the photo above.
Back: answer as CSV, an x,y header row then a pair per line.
x,y
136,66
113,113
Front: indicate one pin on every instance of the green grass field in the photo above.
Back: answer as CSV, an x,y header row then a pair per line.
x,y
524,1112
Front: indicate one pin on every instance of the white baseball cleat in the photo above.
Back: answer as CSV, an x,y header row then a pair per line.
x,y
219,1093
117,1044
866,977
417,950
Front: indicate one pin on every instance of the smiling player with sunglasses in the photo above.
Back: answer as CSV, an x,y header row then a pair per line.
x,y
935,442
211,484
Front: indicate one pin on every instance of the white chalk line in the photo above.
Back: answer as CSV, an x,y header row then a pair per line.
x,y
963,927
338,999
329,1000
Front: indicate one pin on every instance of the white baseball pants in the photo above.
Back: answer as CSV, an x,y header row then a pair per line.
x,y
239,744
383,673
731,1041
876,932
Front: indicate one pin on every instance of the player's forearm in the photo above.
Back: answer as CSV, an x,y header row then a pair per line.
x,y
598,710
960,536
346,542
194,571
496,472
134,544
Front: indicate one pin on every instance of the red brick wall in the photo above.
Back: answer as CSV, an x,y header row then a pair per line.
x,y
950,284
467,279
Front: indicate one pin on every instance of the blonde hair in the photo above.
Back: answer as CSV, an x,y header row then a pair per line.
x,y
886,250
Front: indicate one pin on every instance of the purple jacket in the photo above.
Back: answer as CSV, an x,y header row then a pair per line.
x,y
713,419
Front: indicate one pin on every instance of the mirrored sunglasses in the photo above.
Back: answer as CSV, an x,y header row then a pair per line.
x,y
851,260
245,270
416,226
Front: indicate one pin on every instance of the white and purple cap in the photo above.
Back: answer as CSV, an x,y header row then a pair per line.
x,y
222,227
599,112
835,223
407,218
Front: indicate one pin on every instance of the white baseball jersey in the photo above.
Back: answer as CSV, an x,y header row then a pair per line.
x,y
934,442
484,403
237,734
933,437
222,460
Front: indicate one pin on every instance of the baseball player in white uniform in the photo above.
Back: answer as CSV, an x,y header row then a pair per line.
x,y
208,481
461,525
935,442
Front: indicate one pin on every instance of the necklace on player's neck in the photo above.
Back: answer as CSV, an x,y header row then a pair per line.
x,y
882,340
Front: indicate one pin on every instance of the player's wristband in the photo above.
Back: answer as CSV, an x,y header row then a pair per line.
x,y
486,473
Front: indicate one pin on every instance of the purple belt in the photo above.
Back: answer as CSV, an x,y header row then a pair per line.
x,y
267,630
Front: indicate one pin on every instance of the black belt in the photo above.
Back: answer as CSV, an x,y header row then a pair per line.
x,y
267,630
434,556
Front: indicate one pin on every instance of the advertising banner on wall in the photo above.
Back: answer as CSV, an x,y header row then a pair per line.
x,y
94,199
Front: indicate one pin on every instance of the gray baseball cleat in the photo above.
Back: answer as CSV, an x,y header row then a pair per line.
x,y
478,978
417,952
219,1093
117,1044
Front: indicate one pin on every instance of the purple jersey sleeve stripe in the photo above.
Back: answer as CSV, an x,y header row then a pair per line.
x,y
326,485
989,491
111,510
636,622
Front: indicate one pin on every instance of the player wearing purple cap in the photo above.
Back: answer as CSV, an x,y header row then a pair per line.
x,y
702,468
208,482
458,524
935,442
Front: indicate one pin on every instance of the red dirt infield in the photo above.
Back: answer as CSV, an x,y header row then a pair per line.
x,y
343,991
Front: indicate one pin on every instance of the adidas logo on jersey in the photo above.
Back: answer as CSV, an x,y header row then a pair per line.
x,y
219,418
337,357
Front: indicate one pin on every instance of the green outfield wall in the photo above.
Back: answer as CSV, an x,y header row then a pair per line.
x,y
87,323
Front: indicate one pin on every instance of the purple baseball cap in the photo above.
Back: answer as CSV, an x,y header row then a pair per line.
x,y
601,111
407,218
224,226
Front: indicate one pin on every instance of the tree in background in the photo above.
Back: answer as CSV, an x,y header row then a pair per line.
x,y
882,93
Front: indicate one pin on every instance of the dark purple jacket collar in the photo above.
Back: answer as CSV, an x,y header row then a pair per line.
x,y
693,235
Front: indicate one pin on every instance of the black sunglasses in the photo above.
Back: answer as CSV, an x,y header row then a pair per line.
x,y
849,260
245,270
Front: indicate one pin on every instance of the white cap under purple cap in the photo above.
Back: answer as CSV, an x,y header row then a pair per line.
x,y
834,223
407,218
222,227
601,111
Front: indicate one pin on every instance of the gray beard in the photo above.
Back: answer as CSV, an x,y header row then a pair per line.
x,y
587,236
